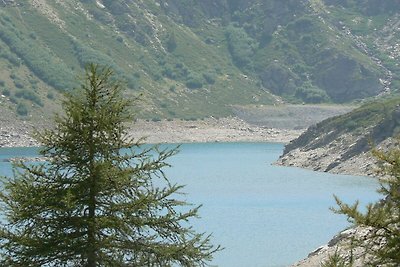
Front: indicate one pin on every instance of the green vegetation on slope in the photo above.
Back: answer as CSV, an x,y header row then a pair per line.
x,y
373,122
192,59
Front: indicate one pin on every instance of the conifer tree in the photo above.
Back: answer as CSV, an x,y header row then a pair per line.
x,y
382,218
101,198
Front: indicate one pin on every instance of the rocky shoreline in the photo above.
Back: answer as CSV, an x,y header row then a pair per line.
x,y
341,244
18,135
333,157
230,129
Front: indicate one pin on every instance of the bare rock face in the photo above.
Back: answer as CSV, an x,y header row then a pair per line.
x,y
345,155
341,245
16,136
343,144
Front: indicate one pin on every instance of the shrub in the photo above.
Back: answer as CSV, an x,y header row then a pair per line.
x,y
194,82
29,95
18,84
311,94
6,92
33,35
33,81
156,119
115,7
100,16
13,100
120,39
12,58
169,72
209,77
337,260
171,42
50,95
22,110
190,119
240,45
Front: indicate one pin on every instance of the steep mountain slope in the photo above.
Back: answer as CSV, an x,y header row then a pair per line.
x,y
45,44
192,59
342,144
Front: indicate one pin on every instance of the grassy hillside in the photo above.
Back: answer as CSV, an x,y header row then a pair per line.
x,y
193,59
44,47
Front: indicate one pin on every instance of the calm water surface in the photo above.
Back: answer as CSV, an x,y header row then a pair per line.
x,y
263,215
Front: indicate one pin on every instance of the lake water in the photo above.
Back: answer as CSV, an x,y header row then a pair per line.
x,y
263,215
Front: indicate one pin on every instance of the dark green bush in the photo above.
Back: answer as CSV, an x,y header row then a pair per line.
x,y
50,95
190,119
116,7
209,77
12,58
194,82
240,45
13,100
311,94
120,39
33,81
350,125
171,42
19,84
22,110
169,72
33,35
29,95
100,15
6,92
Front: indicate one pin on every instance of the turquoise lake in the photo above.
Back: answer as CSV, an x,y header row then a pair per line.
x,y
264,215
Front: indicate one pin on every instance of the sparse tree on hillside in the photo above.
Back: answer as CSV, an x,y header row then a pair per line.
x,y
101,199
382,217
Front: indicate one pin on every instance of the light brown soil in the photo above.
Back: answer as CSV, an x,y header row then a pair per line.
x,y
229,129
177,131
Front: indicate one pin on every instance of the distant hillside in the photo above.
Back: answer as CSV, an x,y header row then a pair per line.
x,y
194,59
342,144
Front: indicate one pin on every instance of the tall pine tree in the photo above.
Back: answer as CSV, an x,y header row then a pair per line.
x,y
100,199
